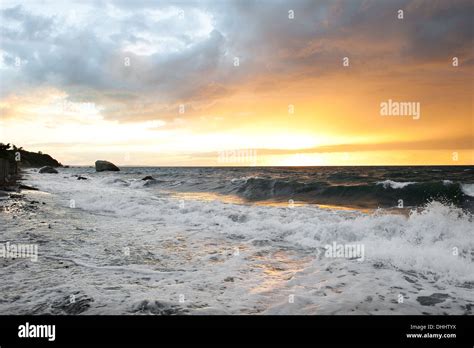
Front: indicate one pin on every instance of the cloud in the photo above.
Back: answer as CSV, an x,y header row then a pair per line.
x,y
184,52
449,143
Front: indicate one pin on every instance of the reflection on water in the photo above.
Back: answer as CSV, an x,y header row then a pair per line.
x,y
278,268
207,197
210,196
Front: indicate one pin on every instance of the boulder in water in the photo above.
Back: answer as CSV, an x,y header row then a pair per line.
x,y
148,177
48,170
102,166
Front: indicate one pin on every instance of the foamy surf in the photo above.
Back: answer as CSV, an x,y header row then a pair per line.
x,y
395,184
123,248
468,189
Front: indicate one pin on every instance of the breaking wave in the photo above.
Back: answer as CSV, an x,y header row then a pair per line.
x,y
381,194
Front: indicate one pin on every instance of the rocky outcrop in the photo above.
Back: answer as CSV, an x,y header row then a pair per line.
x,y
27,159
148,177
47,170
102,166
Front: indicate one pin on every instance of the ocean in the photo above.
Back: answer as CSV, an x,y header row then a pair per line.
x,y
254,240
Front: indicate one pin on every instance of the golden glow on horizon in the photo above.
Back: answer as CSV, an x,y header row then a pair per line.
x,y
80,133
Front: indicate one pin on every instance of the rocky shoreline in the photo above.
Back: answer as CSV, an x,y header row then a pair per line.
x,y
15,186
14,190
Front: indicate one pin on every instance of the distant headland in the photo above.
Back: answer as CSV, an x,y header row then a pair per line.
x,y
27,159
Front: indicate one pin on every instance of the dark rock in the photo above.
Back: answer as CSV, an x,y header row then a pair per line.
x,y
48,170
25,187
81,178
101,166
148,177
34,159
432,299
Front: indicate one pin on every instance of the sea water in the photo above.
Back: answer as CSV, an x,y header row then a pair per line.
x,y
242,241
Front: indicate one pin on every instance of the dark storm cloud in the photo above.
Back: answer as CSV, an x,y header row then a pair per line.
x,y
33,27
188,68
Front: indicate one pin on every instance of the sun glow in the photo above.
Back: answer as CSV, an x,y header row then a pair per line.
x,y
160,85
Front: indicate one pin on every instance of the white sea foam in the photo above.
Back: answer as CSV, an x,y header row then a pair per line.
x,y
468,189
394,184
423,238
431,248
245,178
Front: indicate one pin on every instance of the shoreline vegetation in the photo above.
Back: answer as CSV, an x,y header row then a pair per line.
x,y
12,160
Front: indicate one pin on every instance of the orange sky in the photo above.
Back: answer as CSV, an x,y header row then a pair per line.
x,y
181,100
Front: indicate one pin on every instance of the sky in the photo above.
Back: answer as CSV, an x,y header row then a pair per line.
x,y
226,82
